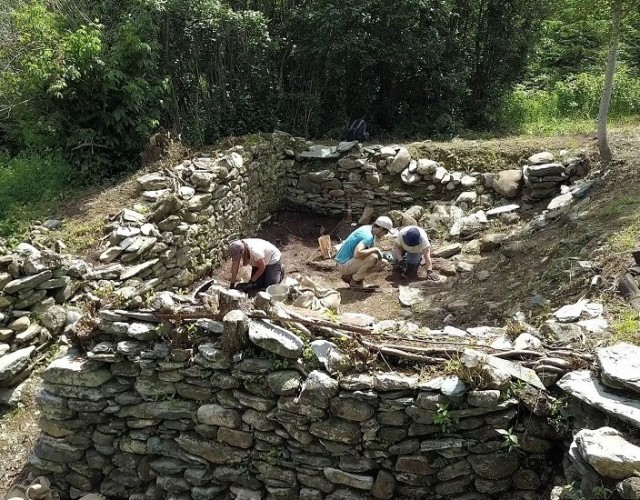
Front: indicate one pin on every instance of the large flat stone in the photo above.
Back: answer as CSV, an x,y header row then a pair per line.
x,y
74,369
28,282
620,366
608,452
274,339
13,363
584,386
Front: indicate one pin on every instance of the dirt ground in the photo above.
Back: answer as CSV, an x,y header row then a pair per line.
x,y
296,235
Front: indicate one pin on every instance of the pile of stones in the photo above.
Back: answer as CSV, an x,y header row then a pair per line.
x,y
387,176
139,417
33,286
605,457
543,176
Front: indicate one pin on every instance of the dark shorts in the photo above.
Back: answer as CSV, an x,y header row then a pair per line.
x,y
273,274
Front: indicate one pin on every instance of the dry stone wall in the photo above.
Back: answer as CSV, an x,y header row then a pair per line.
x,y
330,179
186,215
134,417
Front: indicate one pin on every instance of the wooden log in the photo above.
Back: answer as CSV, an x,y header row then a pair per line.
x,y
629,290
235,332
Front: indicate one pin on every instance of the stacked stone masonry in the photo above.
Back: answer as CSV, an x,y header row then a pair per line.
x,y
135,418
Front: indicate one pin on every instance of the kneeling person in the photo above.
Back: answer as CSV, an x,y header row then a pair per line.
x,y
263,257
410,247
358,255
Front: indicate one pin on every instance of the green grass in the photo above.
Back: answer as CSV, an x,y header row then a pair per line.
x,y
627,328
31,188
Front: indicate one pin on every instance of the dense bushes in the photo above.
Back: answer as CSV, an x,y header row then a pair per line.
x,y
576,98
92,92
31,186
93,79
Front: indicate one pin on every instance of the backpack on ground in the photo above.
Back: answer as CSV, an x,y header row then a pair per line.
x,y
357,131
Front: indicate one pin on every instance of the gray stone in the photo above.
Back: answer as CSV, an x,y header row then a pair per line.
x,y
446,251
238,439
28,335
337,476
587,388
416,464
152,181
357,411
453,388
629,489
214,358
357,382
284,383
540,158
526,341
213,414
255,402
20,324
54,318
561,201
620,366
410,296
13,363
394,381
400,162
336,429
317,389
544,170
492,487
171,410
213,452
526,479
274,339
504,209
494,466
508,183
12,396
608,452
28,282
472,359
74,369
484,399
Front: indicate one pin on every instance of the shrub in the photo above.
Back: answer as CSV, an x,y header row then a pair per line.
x,y
31,187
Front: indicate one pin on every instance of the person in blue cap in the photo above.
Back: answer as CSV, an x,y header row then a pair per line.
x,y
410,247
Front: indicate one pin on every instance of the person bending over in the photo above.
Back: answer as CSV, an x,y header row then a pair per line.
x,y
410,247
357,254
264,258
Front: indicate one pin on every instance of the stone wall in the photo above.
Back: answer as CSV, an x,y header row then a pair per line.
x,y
330,179
137,417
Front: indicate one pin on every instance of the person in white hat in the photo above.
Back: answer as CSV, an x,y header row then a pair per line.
x,y
358,253
411,246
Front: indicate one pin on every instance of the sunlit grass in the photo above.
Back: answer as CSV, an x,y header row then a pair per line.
x,y
626,328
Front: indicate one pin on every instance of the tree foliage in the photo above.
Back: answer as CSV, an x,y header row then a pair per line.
x,y
94,78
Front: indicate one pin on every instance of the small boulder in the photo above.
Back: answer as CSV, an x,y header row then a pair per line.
x,y
508,183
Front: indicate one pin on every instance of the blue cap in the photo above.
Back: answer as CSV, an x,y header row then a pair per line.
x,y
412,237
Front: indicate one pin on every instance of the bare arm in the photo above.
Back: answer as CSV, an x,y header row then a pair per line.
x,y
260,271
426,253
397,250
235,265
362,251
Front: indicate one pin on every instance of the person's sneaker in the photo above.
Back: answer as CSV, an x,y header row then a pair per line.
x,y
346,278
356,284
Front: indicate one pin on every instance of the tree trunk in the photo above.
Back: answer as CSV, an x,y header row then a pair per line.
x,y
603,143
